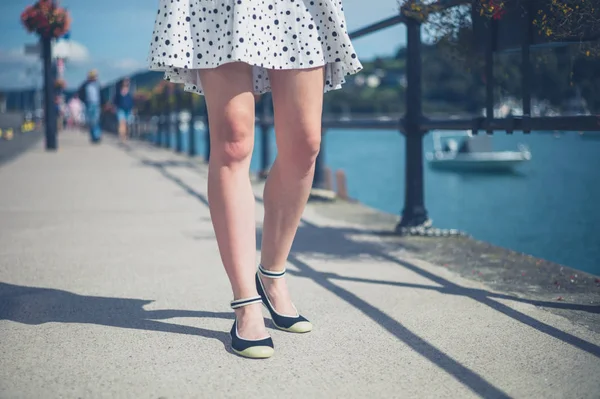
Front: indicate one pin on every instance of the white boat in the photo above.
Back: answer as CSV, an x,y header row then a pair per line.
x,y
474,153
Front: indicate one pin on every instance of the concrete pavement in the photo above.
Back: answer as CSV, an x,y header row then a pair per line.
x,y
111,287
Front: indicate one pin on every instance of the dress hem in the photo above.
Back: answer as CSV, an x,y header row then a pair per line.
x,y
172,73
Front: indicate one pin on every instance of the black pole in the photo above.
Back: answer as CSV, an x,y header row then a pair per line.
x,y
177,121
319,181
49,106
162,121
526,65
319,177
136,126
192,151
489,75
160,127
207,136
414,212
264,130
168,121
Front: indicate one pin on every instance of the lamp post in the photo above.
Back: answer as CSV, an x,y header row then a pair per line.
x,y
49,22
49,97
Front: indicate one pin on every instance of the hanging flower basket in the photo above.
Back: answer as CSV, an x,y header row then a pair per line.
x,y
46,19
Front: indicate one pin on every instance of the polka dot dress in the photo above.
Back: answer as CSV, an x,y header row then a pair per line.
x,y
267,34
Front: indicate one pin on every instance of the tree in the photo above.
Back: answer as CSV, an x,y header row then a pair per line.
x,y
575,21
573,26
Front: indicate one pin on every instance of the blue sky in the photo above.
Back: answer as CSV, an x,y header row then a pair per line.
x,y
113,36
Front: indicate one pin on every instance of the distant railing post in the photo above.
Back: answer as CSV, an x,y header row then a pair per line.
x,y
207,137
526,65
169,118
489,76
133,127
162,121
177,121
264,130
143,127
319,180
192,151
414,212
160,131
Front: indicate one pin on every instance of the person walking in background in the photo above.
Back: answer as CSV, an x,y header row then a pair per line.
x,y
75,108
89,92
61,112
123,102
230,51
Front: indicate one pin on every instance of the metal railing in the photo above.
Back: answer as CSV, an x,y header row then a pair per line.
x,y
413,125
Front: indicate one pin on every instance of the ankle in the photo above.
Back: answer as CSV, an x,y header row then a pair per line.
x,y
275,287
250,322
249,312
244,292
272,266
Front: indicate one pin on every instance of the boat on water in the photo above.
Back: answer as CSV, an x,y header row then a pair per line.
x,y
467,152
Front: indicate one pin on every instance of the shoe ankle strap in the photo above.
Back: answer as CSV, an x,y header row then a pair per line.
x,y
270,274
238,303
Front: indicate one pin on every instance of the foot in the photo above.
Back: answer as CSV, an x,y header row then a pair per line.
x,y
279,295
250,322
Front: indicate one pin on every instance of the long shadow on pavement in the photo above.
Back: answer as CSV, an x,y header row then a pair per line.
x,y
35,305
309,234
461,373
470,292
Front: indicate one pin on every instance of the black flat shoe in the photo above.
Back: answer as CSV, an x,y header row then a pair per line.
x,y
251,348
295,324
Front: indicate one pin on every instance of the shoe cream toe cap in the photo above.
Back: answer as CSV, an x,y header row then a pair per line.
x,y
257,352
301,327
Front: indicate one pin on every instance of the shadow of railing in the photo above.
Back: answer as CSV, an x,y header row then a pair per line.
x,y
306,232
307,242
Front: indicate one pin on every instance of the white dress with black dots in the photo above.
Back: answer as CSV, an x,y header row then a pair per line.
x,y
267,34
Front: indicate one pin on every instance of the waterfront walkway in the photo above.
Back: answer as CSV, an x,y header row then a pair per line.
x,y
111,286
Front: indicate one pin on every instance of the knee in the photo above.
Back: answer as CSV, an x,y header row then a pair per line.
x,y
233,141
303,147
235,152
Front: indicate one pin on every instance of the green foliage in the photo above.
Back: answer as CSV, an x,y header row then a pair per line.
x,y
451,85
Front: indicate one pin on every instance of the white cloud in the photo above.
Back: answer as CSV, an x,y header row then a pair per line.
x,y
17,57
19,70
73,51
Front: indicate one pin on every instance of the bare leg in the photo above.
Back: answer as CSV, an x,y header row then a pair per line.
x,y
298,102
123,130
230,104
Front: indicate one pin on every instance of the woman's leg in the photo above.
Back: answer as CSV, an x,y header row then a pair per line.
x,y
122,125
298,102
230,103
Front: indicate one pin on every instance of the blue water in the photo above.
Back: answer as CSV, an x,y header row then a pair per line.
x,y
549,209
